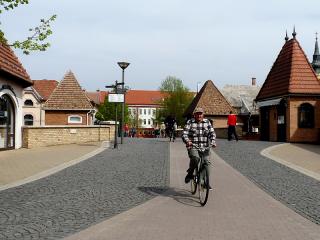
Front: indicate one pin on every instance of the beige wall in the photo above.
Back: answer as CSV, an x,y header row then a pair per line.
x,y
35,110
57,135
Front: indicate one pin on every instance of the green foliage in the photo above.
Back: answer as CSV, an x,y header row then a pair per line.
x,y
35,41
178,98
107,112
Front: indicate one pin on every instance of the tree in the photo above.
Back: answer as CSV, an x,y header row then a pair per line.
x,y
107,112
178,98
38,35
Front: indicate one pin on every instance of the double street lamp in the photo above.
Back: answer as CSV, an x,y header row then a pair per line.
x,y
123,65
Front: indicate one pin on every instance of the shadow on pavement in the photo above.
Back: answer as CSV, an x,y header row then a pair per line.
x,y
180,195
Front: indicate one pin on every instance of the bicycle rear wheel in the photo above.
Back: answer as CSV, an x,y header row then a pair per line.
x,y
194,181
203,187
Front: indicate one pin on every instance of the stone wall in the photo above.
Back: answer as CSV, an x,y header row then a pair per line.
x,y
57,135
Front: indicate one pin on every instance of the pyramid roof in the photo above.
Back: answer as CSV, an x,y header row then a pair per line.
x,y
10,64
291,74
45,87
68,95
211,100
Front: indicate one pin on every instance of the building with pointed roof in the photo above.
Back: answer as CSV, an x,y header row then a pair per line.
x,y
13,79
68,104
34,98
289,99
241,98
316,58
214,104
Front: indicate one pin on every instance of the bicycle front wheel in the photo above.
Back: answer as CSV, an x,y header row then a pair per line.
x,y
203,187
194,181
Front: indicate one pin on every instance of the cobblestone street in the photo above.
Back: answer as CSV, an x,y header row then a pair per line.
x,y
296,190
85,194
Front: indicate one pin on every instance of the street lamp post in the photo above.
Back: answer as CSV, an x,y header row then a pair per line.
x,y
115,87
123,65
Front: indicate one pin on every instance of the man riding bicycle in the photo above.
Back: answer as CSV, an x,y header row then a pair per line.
x,y
198,131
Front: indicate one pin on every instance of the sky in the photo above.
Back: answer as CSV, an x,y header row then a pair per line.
x,y
228,42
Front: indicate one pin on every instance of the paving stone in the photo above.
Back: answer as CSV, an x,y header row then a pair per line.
x,y
85,194
298,191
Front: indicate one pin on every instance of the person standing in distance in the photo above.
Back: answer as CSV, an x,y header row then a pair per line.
x,y
232,122
198,131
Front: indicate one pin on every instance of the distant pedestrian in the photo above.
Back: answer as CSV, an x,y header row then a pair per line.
x,y
162,130
126,130
133,132
232,122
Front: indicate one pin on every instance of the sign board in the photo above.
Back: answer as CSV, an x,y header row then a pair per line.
x,y
112,97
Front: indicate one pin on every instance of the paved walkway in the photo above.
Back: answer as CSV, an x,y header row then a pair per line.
x,y
236,209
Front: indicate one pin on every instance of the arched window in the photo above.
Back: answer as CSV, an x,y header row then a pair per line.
x,y
306,116
28,102
74,119
28,120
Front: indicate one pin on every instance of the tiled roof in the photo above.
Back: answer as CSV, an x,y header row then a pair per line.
x,y
144,97
68,95
10,64
97,97
241,96
211,100
291,73
45,87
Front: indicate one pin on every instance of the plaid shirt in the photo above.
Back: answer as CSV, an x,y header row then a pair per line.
x,y
199,133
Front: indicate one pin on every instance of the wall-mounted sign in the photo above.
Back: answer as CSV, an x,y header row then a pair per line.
x,y
119,98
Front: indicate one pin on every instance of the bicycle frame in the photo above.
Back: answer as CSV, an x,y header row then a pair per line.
x,y
201,178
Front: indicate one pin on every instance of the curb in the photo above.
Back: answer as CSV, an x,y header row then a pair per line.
x,y
266,153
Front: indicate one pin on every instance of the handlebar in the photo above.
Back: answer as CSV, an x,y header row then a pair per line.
x,y
201,149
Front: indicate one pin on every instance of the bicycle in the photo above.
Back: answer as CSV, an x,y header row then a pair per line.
x,y
200,179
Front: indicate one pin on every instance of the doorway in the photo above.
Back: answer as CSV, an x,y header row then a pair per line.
x,y
7,123
281,121
264,114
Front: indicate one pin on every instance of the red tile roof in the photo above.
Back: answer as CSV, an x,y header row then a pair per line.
x,y
291,73
211,100
10,64
97,97
144,97
45,87
68,95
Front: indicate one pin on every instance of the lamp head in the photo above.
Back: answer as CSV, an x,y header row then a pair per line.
x,y
123,65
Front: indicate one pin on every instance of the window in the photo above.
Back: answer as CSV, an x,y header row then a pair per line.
x,y
145,111
153,112
74,119
28,102
144,121
306,116
28,120
140,111
149,122
149,111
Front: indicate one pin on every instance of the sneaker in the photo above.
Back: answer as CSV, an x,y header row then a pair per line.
x,y
188,178
210,188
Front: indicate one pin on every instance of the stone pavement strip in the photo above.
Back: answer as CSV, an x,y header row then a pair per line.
x,y
25,165
236,209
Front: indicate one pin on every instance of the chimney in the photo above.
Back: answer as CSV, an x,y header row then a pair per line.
x,y
253,81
